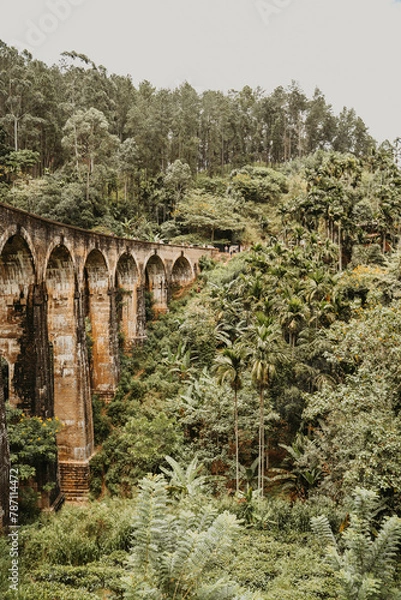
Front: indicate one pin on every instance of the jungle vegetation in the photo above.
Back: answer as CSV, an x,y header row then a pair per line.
x,y
253,448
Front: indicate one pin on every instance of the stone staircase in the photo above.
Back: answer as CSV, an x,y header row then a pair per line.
x,y
74,480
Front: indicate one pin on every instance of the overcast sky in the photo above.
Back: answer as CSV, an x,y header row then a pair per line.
x,y
350,49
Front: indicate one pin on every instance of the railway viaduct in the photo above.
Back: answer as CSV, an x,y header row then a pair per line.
x,y
68,297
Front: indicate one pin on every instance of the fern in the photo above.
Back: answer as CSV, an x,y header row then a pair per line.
x,y
150,525
367,565
356,587
385,549
321,528
173,548
207,546
224,590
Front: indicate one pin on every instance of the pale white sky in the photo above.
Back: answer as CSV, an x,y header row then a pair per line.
x,y
350,49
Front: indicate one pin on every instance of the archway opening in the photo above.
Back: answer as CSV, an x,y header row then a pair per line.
x,y
182,275
127,300
98,323
17,338
156,284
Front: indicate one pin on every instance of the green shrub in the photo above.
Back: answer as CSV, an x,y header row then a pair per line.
x,y
282,517
137,449
50,591
5,564
92,577
365,558
32,441
290,570
175,547
78,535
101,423
97,473
120,411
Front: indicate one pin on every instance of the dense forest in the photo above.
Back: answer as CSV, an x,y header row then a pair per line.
x,y
89,148
253,448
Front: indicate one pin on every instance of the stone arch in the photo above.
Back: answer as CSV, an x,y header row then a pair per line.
x,y
57,244
20,232
67,353
96,271
156,283
17,270
182,273
60,272
126,285
101,334
17,340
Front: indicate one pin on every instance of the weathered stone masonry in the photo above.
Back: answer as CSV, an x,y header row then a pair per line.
x,y
66,295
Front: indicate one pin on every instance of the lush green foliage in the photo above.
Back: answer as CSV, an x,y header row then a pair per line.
x,y
79,535
277,329
364,358
185,481
173,550
86,147
82,552
32,441
278,373
367,564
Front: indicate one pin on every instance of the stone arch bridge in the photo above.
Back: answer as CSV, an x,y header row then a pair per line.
x,y
67,299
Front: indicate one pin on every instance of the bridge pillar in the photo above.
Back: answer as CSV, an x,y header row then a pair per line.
x,y
72,399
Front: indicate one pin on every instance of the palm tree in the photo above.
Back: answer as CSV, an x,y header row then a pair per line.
x,y
267,353
293,317
319,289
229,366
318,284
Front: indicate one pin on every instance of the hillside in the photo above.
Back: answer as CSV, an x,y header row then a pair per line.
x,y
268,397
276,324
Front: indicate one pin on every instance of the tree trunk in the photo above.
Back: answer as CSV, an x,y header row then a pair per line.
x,y
261,465
15,133
236,440
87,184
222,152
76,150
340,251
